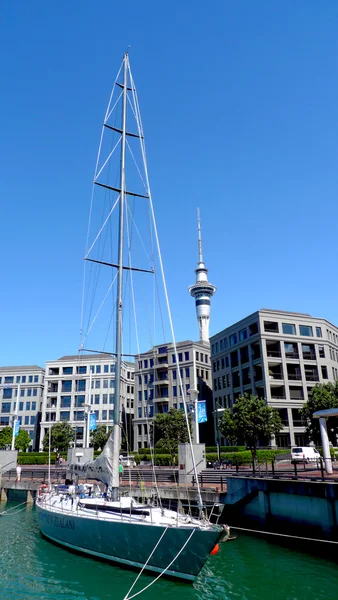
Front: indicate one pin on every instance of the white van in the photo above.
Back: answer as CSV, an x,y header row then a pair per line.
x,y
304,454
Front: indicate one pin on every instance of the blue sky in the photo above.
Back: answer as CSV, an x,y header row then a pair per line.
x,y
239,106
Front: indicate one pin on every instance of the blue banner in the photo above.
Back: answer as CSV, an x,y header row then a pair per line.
x,y
16,427
202,411
92,421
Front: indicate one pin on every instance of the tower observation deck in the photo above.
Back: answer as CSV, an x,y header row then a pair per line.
x,y
202,290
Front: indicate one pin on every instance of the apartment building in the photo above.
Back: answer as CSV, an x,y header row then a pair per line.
x,y
157,386
76,384
278,356
21,393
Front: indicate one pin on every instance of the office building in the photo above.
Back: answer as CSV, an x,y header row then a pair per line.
x,y
278,356
67,398
21,394
157,387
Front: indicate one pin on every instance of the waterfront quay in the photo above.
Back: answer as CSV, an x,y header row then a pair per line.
x,y
288,502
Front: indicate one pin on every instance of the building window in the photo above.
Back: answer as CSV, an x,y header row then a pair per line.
x,y
20,406
174,374
66,371
233,339
111,399
35,391
30,379
243,335
66,386
33,420
28,405
253,329
65,401
289,329
104,415
7,393
33,405
324,372
6,407
186,356
198,355
305,330
187,372
321,351
81,385
97,399
146,364
81,370
173,358
106,368
26,420
151,362
318,331
271,326
36,378
23,379
98,368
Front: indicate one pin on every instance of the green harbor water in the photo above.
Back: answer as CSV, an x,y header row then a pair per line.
x,y
248,568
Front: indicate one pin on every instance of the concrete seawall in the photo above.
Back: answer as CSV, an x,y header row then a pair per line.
x,y
303,508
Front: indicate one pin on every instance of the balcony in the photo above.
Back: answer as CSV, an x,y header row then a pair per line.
x,y
164,381
161,363
295,376
273,353
293,355
309,355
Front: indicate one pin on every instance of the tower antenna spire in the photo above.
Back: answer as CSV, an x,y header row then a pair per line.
x,y
202,290
199,236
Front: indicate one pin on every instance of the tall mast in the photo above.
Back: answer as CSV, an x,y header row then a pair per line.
x,y
120,282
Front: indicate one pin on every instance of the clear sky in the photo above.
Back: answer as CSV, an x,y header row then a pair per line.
x,y
239,106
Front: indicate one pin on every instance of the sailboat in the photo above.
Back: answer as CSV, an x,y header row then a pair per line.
x,y
112,526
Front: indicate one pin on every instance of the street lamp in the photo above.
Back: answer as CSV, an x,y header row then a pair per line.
x,y
194,400
217,410
87,408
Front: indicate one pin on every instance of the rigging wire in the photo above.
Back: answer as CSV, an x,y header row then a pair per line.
x,y
127,597
140,129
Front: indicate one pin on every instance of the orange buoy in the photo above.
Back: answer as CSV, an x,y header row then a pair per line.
x,y
214,550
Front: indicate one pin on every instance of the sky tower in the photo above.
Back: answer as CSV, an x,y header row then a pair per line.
x,y
202,290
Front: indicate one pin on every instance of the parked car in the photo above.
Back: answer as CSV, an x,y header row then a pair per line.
x,y
304,454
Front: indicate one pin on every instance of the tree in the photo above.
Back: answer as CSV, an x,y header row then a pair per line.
x,y
170,429
323,396
62,435
251,420
6,437
99,437
22,441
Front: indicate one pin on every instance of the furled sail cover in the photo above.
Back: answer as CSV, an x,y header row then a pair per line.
x,y
101,468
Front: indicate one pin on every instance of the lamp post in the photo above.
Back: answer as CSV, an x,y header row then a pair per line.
x,y
87,408
217,410
194,401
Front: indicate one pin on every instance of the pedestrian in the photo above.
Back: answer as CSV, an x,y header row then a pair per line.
x,y
120,471
18,473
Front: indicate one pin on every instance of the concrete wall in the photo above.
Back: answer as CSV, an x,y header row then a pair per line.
x,y
303,508
8,460
185,465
